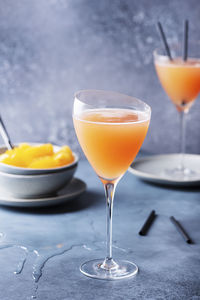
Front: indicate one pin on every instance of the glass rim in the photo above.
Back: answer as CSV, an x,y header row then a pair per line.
x,y
147,107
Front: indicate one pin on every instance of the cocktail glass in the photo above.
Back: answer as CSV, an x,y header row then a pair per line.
x,y
111,128
181,81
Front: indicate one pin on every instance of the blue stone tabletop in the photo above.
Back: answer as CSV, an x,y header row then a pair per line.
x,y
41,249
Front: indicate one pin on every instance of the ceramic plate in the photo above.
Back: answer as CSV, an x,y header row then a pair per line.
x,y
69,192
152,169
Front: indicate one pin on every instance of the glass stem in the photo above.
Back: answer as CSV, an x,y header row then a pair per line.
x,y
182,133
109,192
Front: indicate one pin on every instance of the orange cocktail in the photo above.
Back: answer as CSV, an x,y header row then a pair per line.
x,y
111,138
111,128
180,79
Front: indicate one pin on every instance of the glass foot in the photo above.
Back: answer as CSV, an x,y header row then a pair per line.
x,y
181,173
98,269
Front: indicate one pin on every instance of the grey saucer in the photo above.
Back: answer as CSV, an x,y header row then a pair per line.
x,y
69,192
152,169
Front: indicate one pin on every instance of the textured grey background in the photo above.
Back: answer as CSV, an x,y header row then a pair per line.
x,y
50,49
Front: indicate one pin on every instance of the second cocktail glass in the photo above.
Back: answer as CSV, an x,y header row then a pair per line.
x,y
111,128
181,81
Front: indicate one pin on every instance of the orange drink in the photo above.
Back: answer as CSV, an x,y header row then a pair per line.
x,y
111,128
180,80
111,138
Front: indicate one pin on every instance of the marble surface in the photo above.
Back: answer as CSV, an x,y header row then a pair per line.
x,y
57,240
50,49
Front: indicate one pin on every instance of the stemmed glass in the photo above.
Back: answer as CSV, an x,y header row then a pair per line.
x,y
110,128
181,81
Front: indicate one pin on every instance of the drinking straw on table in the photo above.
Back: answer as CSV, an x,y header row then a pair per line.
x,y
181,230
148,222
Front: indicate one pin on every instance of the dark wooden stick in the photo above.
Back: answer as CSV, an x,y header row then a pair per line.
x,y
181,230
147,223
163,37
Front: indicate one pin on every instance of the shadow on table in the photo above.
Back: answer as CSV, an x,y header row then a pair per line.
x,y
89,198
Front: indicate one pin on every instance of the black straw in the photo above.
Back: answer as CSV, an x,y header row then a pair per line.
x,y
147,223
164,40
181,230
185,41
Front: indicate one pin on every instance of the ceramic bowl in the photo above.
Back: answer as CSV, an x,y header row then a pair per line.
x,y
32,183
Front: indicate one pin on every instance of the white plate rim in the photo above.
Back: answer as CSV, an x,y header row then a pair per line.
x,y
162,179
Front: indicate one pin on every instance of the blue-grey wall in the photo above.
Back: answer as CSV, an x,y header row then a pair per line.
x,y
50,49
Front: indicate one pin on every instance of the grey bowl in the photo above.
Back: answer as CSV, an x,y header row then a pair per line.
x,y
32,186
26,171
34,183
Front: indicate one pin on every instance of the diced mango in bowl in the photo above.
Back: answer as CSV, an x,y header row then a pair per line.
x,y
37,157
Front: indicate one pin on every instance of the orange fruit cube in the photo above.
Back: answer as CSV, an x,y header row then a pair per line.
x,y
63,158
30,153
45,162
